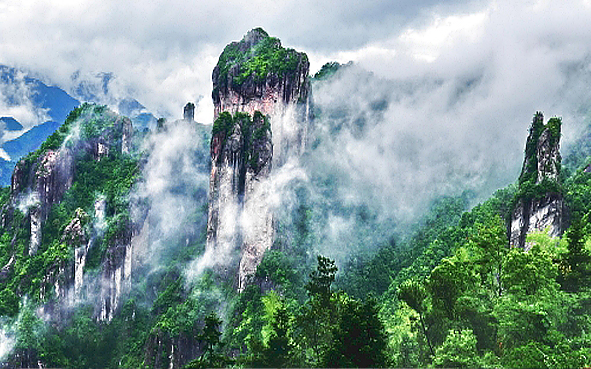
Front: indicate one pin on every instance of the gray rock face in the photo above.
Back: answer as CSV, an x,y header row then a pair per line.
x,y
540,204
285,84
536,215
38,185
75,237
116,275
239,216
64,278
245,154
189,112
548,154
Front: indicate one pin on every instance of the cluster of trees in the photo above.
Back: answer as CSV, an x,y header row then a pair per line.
x,y
466,300
328,328
490,306
256,61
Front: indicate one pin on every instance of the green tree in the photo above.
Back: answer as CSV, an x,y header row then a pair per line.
x,y
448,281
29,331
210,339
414,294
490,245
458,351
575,263
321,279
319,314
278,353
528,274
359,338
9,302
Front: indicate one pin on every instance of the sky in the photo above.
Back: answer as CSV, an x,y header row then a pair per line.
x,y
162,52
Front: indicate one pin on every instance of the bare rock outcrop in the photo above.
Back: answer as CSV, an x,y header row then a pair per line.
x,y
539,201
41,180
261,106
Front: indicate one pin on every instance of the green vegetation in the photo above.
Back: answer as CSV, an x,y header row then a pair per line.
x,y
256,61
530,186
254,131
330,69
450,293
98,120
486,305
326,328
224,125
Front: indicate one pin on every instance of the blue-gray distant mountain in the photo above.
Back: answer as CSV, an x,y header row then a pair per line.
x,y
97,89
57,101
30,140
11,124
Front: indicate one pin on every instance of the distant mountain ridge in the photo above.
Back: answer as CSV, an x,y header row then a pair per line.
x,y
30,140
11,124
55,103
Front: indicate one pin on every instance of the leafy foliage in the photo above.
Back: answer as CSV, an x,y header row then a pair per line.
x,y
255,61
530,186
451,294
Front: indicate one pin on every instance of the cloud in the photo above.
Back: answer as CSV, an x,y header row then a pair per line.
x,y
7,342
479,77
440,109
16,100
163,52
174,187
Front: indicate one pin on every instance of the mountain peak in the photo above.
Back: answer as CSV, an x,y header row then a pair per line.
x,y
539,200
255,35
256,73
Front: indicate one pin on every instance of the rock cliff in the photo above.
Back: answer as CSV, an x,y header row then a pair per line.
x,y
257,73
40,183
189,112
539,202
261,106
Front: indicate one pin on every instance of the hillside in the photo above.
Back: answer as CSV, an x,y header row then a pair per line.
x,y
265,240
50,105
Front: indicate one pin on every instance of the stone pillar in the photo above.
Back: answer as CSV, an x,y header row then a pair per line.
x,y
189,112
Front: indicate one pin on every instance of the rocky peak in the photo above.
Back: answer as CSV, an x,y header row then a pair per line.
x,y
90,136
253,37
542,151
45,175
257,73
189,112
261,100
74,234
539,202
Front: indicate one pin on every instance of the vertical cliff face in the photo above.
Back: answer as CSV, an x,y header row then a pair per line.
x,y
539,201
116,274
64,278
91,135
40,186
261,103
189,112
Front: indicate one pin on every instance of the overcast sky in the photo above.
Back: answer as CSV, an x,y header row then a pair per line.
x,y
163,51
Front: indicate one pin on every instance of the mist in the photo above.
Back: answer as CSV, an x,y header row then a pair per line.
x,y
169,202
441,110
